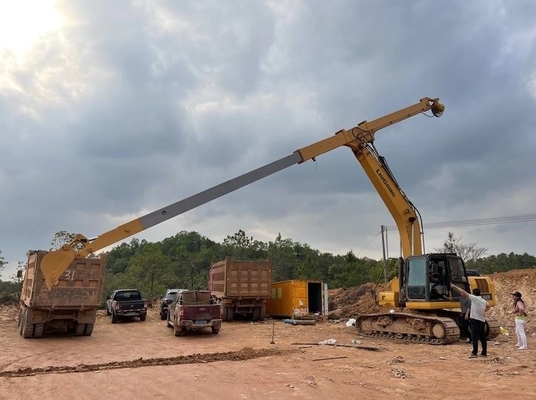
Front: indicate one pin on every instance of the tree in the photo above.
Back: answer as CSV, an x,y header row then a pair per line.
x,y
2,262
150,269
467,251
61,238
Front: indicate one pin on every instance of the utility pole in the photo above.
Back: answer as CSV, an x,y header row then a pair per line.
x,y
384,250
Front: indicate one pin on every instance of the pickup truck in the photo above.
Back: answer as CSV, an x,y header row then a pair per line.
x,y
165,300
126,303
194,310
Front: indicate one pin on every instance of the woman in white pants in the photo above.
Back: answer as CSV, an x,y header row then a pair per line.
x,y
520,319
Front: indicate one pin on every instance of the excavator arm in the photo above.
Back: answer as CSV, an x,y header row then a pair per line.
x,y
360,139
400,207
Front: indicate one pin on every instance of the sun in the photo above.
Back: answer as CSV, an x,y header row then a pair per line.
x,y
22,22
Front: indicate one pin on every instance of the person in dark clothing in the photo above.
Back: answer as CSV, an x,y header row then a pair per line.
x,y
465,305
478,319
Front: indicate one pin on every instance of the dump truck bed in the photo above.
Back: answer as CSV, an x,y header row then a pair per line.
x,y
241,279
80,285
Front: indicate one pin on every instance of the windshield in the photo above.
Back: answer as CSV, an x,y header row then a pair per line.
x,y
170,295
128,295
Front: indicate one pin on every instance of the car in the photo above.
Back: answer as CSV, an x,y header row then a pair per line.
x,y
165,300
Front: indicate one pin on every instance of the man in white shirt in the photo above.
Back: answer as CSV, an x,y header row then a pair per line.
x,y
477,316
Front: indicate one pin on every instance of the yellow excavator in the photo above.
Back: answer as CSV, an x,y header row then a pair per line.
x,y
421,288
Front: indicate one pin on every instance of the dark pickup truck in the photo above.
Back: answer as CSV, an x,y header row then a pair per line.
x,y
194,310
126,303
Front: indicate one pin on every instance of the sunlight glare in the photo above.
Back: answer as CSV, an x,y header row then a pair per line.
x,y
22,22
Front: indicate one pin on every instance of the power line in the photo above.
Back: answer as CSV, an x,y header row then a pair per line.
x,y
478,222
363,249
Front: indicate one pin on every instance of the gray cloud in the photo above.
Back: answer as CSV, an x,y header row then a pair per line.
x,y
132,106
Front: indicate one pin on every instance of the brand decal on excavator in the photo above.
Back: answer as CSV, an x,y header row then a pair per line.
x,y
386,183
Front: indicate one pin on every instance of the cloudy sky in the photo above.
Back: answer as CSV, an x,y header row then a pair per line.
x,y
112,109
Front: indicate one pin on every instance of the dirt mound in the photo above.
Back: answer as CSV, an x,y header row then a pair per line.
x,y
507,282
350,302
246,353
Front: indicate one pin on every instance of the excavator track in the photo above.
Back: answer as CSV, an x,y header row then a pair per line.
x,y
411,327
493,328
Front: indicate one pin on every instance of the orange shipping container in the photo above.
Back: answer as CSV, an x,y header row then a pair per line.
x,y
297,299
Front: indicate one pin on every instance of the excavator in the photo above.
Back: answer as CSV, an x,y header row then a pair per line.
x,y
420,292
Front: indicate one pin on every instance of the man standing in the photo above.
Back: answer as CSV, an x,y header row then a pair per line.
x,y
465,305
477,317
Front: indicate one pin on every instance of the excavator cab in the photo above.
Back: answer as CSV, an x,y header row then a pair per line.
x,y
426,279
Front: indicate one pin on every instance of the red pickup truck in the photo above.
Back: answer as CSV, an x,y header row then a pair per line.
x,y
194,310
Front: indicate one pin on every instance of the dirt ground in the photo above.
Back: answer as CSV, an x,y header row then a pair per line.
x,y
143,360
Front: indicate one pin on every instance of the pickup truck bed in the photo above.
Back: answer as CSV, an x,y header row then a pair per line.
x,y
194,310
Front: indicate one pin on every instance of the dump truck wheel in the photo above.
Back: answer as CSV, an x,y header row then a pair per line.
x,y
88,329
256,313
143,317
80,328
114,318
215,330
262,314
20,322
38,330
228,313
27,326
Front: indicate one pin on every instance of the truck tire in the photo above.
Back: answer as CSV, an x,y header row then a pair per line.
x,y
79,329
228,313
215,330
88,329
38,330
168,323
27,328
163,316
20,322
108,313
143,317
114,318
256,313
177,330
262,314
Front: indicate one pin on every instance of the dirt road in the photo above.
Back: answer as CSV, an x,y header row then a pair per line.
x,y
143,360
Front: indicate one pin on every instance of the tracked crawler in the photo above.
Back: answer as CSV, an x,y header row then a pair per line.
x,y
417,327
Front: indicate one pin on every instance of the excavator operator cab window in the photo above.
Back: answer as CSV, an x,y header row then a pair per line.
x,y
457,273
436,279
417,272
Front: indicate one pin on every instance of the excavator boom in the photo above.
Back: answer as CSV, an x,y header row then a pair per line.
x,y
56,262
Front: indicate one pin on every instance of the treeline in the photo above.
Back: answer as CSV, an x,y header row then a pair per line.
x,y
9,292
502,262
183,261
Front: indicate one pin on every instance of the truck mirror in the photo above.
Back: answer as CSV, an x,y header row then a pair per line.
x,y
19,273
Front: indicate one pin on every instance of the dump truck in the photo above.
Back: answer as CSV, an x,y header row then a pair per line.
x,y
241,287
70,306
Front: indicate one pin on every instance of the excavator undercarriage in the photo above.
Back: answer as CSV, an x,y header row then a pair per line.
x,y
432,328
